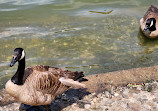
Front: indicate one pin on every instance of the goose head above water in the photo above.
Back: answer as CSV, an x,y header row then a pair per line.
x,y
149,23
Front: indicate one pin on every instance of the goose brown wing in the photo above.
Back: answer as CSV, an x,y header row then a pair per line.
x,y
48,83
32,70
46,78
59,72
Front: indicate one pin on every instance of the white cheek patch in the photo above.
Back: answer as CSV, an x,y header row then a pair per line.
x,y
23,55
151,24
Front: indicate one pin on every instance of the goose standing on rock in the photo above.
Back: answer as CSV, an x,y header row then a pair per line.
x,y
149,23
39,85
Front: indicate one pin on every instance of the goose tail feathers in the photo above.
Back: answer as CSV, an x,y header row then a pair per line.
x,y
71,83
78,75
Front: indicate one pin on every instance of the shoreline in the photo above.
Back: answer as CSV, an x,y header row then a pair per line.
x,y
119,87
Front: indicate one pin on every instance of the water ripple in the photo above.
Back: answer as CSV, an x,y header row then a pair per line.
x,y
26,2
36,32
4,64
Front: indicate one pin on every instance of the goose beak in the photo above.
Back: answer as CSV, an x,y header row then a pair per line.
x,y
12,62
145,29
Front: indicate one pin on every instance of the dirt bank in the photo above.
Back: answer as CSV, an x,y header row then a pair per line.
x,y
100,82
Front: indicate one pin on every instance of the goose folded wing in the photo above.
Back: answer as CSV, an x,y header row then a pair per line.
x,y
48,83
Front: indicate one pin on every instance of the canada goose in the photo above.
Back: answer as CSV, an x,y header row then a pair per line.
x,y
149,23
39,85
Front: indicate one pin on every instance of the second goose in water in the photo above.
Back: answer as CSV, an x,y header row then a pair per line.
x,y
149,23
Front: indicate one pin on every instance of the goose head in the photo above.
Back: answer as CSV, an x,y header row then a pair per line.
x,y
150,25
18,55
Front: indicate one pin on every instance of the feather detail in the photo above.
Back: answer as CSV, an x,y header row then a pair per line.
x,y
152,12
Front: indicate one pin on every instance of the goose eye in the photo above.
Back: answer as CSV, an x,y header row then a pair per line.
x,y
14,57
147,24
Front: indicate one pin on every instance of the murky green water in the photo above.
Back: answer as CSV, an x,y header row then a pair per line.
x,y
92,36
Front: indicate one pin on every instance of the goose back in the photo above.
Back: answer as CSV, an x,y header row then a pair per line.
x,y
152,12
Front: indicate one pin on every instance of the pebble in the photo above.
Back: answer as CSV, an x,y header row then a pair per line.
x,y
87,106
124,96
116,94
126,91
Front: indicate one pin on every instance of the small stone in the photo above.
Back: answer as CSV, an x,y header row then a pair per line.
x,y
137,91
134,106
141,100
94,106
95,100
126,91
116,94
108,102
154,108
99,95
147,107
105,108
125,96
108,95
93,94
150,103
1,98
155,100
154,85
118,98
92,102
87,106
144,97
118,108
139,87
97,105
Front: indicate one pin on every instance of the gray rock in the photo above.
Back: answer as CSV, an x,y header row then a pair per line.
x,y
87,106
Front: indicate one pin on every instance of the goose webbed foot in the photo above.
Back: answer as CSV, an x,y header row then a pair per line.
x,y
25,107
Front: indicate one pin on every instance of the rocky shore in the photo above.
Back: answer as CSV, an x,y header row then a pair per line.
x,y
127,90
142,97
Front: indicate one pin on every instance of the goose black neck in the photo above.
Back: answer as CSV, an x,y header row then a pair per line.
x,y
18,76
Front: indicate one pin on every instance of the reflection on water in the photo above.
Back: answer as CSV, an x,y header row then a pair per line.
x,y
91,36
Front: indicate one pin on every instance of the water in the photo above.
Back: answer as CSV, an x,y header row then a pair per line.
x,y
92,36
